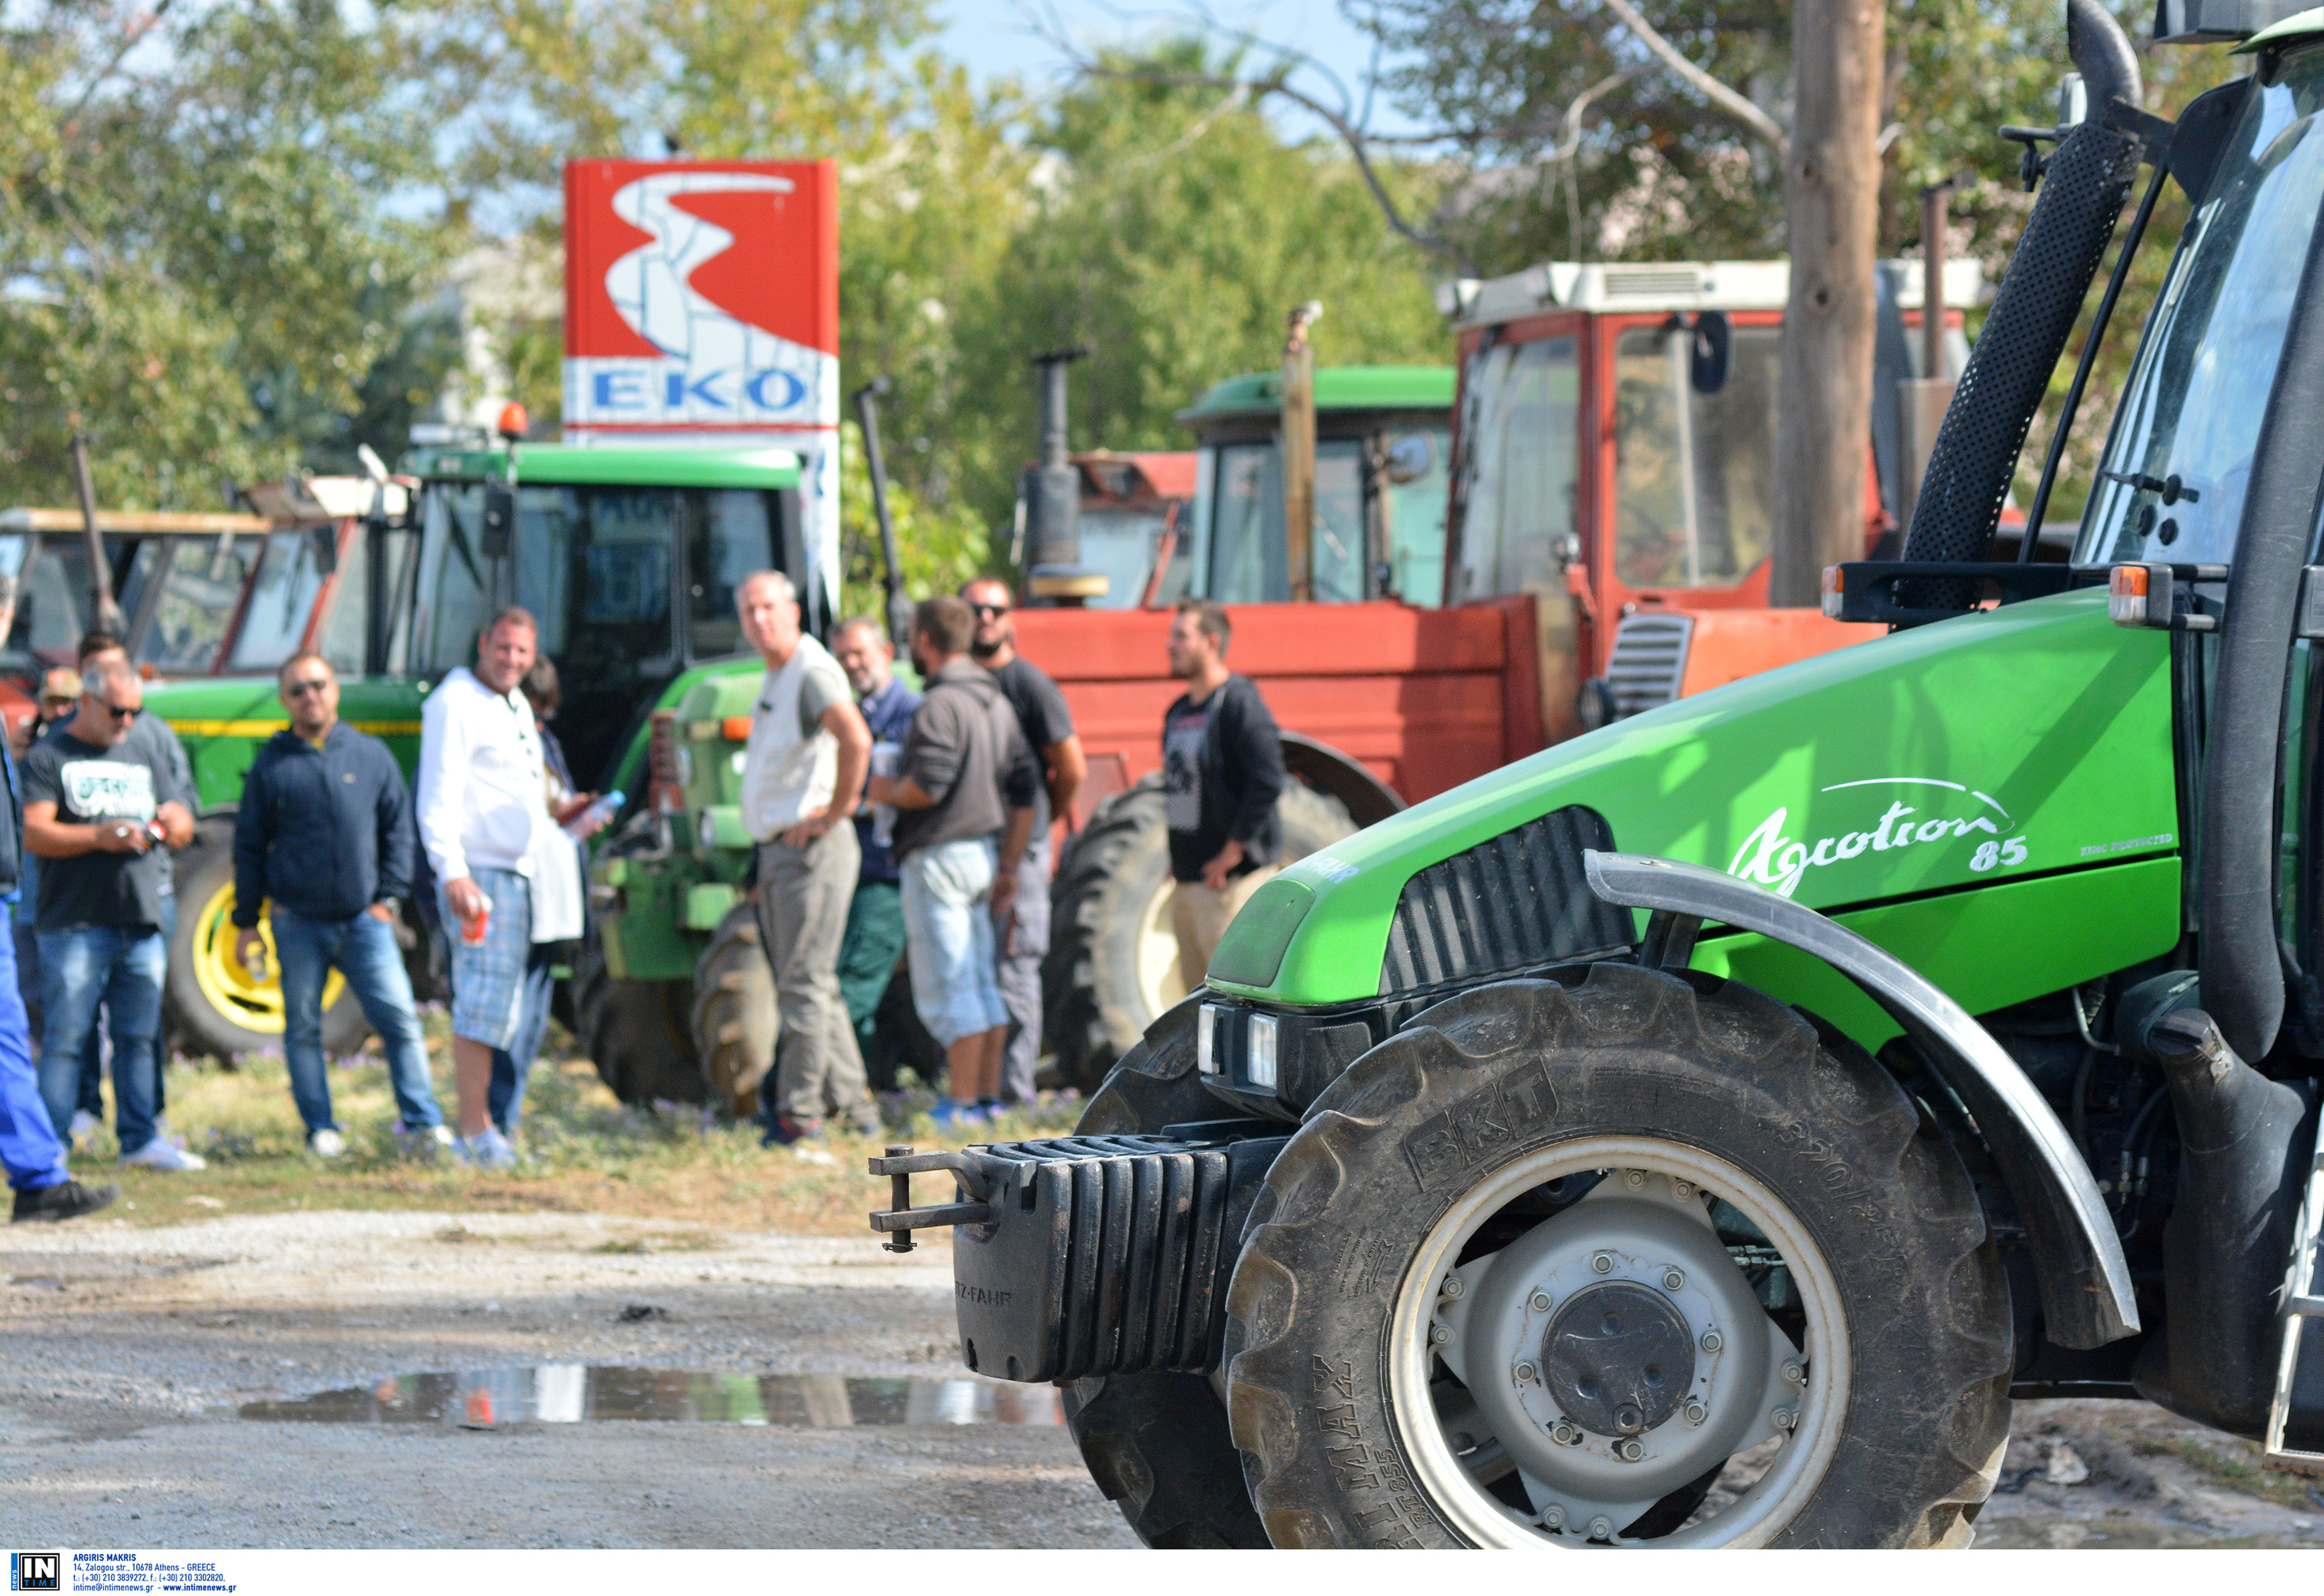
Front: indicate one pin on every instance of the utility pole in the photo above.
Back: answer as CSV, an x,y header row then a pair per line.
x,y
104,614
1831,188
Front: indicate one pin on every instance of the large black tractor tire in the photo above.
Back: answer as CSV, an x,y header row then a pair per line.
x,y
1537,1120
1156,1444
210,1004
1111,965
636,1032
734,1021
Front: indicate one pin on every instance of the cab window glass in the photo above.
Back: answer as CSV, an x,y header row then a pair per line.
x,y
342,639
1519,457
198,593
1413,476
1694,496
281,598
451,603
1248,555
730,539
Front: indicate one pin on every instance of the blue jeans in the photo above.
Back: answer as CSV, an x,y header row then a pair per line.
x,y
92,1058
121,968
363,948
513,1064
28,1147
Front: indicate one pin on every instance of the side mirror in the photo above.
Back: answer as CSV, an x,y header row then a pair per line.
x,y
1409,457
499,533
1714,339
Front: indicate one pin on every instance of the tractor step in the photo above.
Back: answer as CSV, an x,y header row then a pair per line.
x,y
2295,1418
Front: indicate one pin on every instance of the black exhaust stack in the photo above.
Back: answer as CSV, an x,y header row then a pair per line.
x,y
1052,496
2086,180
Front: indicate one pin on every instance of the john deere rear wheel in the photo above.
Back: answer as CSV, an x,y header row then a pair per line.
x,y
1617,1259
1156,1444
635,1032
212,1004
735,1019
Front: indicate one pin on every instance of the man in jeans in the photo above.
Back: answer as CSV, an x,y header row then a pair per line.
x,y
1048,729
100,807
964,815
802,774
31,1152
506,876
323,838
1222,772
875,915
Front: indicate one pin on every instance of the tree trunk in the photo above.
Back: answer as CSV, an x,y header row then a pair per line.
x,y
1823,428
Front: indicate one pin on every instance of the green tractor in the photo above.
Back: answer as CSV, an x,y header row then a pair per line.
x,y
1698,1132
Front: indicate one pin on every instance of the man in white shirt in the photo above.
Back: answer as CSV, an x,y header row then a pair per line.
x,y
506,876
802,774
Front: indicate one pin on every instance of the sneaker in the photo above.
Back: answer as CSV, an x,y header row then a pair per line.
x,y
85,1125
487,1149
66,1200
787,1131
158,1154
951,1114
161,1132
326,1143
424,1142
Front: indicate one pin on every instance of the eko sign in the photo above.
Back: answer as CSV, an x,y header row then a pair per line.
x,y
701,295
702,302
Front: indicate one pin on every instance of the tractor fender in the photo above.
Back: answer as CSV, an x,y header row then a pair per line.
x,y
1367,799
2085,1280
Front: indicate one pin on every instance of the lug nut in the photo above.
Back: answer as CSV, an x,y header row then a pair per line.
x,y
1629,1452
1538,1302
1553,1517
1635,1178
1524,1371
1784,1418
1674,1280
1795,1374
1685,1188
1439,1335
1565,1434
1695,1411
1453,1286
1602,1528
1712,1340
1602,1264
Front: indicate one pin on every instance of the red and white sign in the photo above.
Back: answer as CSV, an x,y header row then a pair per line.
x,y
701,301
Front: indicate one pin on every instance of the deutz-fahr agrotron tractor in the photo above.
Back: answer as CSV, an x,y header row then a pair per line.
x,y
1697,1133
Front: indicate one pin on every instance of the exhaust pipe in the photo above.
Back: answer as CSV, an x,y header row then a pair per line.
x,y
2008,372
2241,1173
1052,492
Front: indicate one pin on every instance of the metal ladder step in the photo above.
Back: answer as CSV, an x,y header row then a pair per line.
x,y
2300,1368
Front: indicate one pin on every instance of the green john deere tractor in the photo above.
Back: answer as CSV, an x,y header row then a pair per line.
x,y
1698,1132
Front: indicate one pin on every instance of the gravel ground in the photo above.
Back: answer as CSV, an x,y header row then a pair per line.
x,y
130,1348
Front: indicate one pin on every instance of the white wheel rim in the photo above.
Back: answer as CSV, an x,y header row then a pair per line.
x,y
1481,1518
1158,954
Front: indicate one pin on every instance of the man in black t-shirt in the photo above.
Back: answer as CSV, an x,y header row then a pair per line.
x,y
1222,772
1048,728
101,807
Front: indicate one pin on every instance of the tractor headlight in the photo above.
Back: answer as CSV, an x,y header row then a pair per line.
x,y
1261,1064
1206,1039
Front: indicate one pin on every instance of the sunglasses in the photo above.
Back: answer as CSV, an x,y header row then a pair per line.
x,y
300,689
121,712
990,612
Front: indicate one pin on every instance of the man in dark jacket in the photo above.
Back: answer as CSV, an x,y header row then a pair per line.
x,y
1222,772
324,838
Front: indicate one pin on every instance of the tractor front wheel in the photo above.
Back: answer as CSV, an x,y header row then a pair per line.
x,y
635,1032
1617,1258
734,1019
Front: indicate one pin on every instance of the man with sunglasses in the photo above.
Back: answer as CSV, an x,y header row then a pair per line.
x,y
1048,729
323,839
101,809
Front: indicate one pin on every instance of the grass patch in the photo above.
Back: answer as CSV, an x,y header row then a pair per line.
x,y
583,1153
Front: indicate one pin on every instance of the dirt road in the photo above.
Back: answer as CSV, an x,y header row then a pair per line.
x,y
134,1352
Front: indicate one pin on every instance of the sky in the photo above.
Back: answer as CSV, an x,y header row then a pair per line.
x,y
996,38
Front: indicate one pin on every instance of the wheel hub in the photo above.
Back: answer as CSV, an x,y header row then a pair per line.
x,y
1619,1359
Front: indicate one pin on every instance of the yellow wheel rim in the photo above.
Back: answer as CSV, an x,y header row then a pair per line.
x,y
237,995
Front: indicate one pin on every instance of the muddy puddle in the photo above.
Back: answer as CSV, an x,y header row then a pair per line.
x,y
581,1393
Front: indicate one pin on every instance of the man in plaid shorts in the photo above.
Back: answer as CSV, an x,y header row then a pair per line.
x,y
507,876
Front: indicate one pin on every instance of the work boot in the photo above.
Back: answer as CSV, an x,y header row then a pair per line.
x,y
67,1199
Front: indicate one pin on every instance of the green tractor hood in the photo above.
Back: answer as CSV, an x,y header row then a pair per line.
x,y
1992,798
